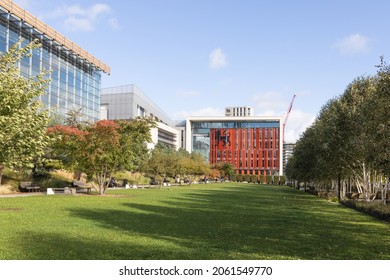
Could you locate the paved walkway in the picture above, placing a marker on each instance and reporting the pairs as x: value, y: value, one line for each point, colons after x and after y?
x: 22, y: 194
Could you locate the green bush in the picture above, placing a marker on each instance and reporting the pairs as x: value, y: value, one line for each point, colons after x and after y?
x: 282, y: 180
x: 51, y: 182
x: 374, y: 208
x: 233, y: 177
x: 132, y: 178
x: 247, y: 178
x: 261, y: 179
x: 239, y: 178
x: 268, y: 179
x: 253, y: 179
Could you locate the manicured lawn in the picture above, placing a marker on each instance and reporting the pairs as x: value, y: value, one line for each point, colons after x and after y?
x: 213, y: 221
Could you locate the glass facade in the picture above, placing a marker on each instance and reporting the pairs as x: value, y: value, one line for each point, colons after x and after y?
x: 75, y: 82
x: 253, y: 146
x: 200, y: 132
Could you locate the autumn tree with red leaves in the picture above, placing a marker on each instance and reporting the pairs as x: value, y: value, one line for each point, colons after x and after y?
x: 102, y: 148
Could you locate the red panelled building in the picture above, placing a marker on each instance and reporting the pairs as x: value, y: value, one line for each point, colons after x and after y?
x: 252, y: 144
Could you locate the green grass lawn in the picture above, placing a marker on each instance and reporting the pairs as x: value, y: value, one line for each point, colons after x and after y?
x: 213, y: 221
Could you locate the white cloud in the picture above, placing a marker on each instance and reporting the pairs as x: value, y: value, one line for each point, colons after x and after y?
x: 78, y: 24
x: 353, y: 44
x: 217, y: 59
x: 99, y: 9
x: 77, y: 18
x: 298, y: 121
x: 275, y: 103
x: 269, y: 103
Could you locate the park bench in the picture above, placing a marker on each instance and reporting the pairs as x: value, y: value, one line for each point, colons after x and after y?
x: 80, y: 187
x: 28, y: 187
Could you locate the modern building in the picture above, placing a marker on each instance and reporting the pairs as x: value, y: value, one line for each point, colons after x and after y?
x: 254, y: 145
x: 288, y: 150
x: 75, y: 73
x: 243, y: 111
x: 129, y: 102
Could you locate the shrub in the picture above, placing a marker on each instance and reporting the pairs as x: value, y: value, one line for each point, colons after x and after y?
x: 233, y: 177
x: 253, y: 179
x: 132, y: 178
x: 261, y: 179
x: 375, y: 208
x: 268, y: 179
x: 239, y: 178
x: 282, y: 180
x: 247, y: 178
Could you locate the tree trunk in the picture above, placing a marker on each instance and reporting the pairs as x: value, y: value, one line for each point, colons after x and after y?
x: 1, y: 172
x: 349, y: 185
x: 339, y: 188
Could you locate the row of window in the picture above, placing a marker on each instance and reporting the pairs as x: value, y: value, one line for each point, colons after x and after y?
x: 252, y: 164
x: 74, y: 82
x: 257, y: 154
x: 235, y: 124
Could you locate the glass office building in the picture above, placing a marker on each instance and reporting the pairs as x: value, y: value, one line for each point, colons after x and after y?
x: 75, y: 74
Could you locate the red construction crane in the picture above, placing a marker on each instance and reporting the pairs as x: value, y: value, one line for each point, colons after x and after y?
x: 286, y: 117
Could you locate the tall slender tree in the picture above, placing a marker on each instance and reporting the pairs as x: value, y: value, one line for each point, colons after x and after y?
x: 23, y: 120
x: 349, y: 141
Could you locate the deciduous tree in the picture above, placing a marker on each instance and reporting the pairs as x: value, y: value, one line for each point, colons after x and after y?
x: 23, y: 120
x: 102, y: 148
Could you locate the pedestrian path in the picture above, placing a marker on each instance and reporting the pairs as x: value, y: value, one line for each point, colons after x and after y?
x: 21, y: 194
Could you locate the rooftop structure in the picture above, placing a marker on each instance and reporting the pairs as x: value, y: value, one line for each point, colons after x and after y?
x: 242, y: 111
x: 129, y: 102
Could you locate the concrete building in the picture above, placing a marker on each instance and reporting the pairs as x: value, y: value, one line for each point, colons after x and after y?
x: 129, y: 102
x: 288, y: 150
x: 242, y: 111
x: 75, y: 73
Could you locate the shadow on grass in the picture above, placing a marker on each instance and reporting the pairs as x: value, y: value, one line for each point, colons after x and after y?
x: 245, y: 222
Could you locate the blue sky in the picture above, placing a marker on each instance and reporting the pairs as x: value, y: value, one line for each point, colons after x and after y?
x: 196, y: 57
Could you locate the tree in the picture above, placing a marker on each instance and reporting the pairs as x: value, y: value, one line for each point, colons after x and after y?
x: 73, y: 117
x: 160, y: 164
x: 102, y: 148
x: 349, y: 141
x: 193, y: 166
x: 134, y: 136
x: 164, y: 162
x: 23, y: 121
x: 224, y: 169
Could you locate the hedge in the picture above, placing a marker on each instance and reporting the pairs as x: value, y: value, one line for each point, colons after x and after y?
x: 375, y: 209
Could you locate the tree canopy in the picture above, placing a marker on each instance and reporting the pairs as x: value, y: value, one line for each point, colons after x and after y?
x: 23, y: 120
x: 102, y: 148
x: 164, y: 162
x: 349, y: 139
